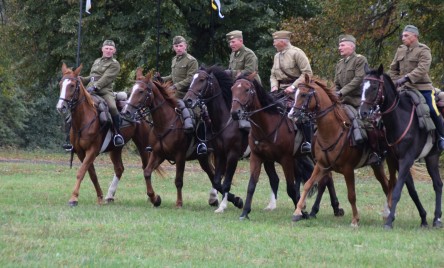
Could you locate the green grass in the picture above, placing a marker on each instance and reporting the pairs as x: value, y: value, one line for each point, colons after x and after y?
x: 38, y: 229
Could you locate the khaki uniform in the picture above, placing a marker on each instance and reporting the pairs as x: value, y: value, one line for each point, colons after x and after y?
x: 414, y: 62
x: 349, y: 74
x: 292, y: 61
x: 182, y: 70
x: 102, y: 75
x: 244, y: 61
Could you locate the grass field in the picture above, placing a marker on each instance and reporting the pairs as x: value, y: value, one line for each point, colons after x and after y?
x: 38, y: 229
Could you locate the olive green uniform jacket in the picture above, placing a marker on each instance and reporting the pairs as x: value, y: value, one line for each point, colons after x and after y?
x: 349, y: 74
x: 102, y: 75
x: 413, y: 62
x: 182, y: 70
x: 243, y: 61
x: 292, y: 61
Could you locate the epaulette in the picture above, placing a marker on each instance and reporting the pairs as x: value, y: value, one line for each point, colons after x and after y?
x: 340, y: 60
x: 114, y: 60
x: 359, y: 55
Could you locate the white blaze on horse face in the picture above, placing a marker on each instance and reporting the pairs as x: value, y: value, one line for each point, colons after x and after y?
x: 62, y: 97
x: 135, y: 88
x: 364, y: 89
x: 194, y: 78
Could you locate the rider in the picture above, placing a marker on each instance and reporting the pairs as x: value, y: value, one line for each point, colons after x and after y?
x: 100, y: 82
x: 183, y: 67
x: 349, y: 73
x: 289, y: 68
x: 242, y: 60
x: 410, y: 67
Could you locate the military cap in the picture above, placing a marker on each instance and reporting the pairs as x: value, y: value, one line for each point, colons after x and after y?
x: 411, y: 29
x: 108, y: 43
x: 347, y: 37
x: 234, y: 34
x: 178, y: 39
x: 281, y: 35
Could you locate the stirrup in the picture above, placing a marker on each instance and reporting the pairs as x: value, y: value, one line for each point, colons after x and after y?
x: 118, y: 140
x: 67, y: 147
x: 202, y: 149
x: 440, y: 144
x: 148, y: 149
x: 306, y: 147
x: 374, y: 158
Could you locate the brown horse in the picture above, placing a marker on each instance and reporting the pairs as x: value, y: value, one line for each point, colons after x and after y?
x: 170, y: 141
x: 89, y: 138
x: 272, y: 139
x: 331, y: 148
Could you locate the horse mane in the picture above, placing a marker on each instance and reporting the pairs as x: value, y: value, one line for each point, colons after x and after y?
x: 88, y: 97
x: 167, y: 94
x: 330, y: 91
x: 225, y: 82
x: 264, y: 97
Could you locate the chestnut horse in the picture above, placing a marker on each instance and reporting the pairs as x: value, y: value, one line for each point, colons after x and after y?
x: 272, y: 139
x: 331, y: 146
x: 170, y: 141
x: 407, y: 141
x: 88, y: 136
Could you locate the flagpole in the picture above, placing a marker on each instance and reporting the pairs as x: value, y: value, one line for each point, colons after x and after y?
x: 212, y: 32
x: 158, y: 35
x: 79, y: 34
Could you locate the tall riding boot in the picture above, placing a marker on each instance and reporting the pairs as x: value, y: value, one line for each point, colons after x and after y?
x: 439, y: 123
x: 67, y: 145
x: 307, y: 133
x: 187, y: 121
x: 118, y: 139
x: 373, y: 140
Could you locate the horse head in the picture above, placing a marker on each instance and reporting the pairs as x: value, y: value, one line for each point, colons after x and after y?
x: 243, y: 92
x: 304, y: 100
x: 141, y: 95
x: 199, y: 88
x: 70, y: 89
x: 372, y: 92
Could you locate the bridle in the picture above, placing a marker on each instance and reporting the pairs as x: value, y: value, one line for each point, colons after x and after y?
x: 374, y: 111
x: 74, y: 101
x: 142, y: 108
x: 209, y: 88
x: 304, y: 112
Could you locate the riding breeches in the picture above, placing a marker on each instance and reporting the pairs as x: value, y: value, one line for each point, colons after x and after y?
x: 111, y: 101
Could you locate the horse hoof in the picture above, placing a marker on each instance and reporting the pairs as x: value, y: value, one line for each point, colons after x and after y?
x: 73, y: 203
x: 213, y: 203
x: 312, y: 215
x: 109, y: 200
x: 158, y: 201
x: 437, y: 224
x: 388, y: 227
x: 244, y: 216
x: 296, y: 218
x: 339, y: 212
x: 239, y: 203
x: 219, y: 210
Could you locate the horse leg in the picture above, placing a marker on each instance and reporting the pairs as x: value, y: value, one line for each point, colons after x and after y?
x: 386, y: 185
x: 317, y: 174
x: 273, y: 178
x: 292, y: 186
x: 414, y: 195
x: 327, y: 182
x: 231, y: 165
x: 93, y: 175
x: 433, y: 169
x: 86, y: 162
x: 214, y: 176
x: 255, y: 170
x: 116, y: 158
x: 349, y: 175
x: 178, y: 181
x: 392, y: 165
x: 153, y: 163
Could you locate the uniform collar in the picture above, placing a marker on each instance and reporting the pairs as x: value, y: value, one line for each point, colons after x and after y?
x: 237, y: 53
x: 349, y: 57
x: 286, y: 49
x: 413, y: 45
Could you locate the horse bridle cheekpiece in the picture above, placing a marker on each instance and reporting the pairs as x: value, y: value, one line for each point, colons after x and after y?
x: 201, y: 100
x: 141, y: 108
x: 75, y: 96
x: 379, y: 98
x: 304, y: 113
x: 243, y: 114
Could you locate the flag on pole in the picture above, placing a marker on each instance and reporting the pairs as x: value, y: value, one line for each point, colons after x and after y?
x: 88, y: 6
x: 215, y: 4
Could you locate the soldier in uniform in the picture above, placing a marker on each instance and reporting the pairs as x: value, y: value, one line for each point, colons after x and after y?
x: 242, y: 61
x: 410, y: 68
x: 289, y: 68
x: 349, y: 73
x: 100, y: 82
x: 183, y: 67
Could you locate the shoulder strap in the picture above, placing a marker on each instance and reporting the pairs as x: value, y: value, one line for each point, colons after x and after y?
x: 287, y: 74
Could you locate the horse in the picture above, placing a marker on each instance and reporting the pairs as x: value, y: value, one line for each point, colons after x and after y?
x: 170, y: 141
x: 331, y: 145
x: 271, y: 139
x: 89, y: 138
x: 381, y: 99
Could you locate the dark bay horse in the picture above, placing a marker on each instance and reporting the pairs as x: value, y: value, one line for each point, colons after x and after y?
x: 407, y: 141
x: 169, y: 141
x: 88, y: 136
x: 331, y: 146
x: 271, y: 139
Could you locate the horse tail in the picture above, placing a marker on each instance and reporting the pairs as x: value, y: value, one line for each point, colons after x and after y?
x: 304, y: 169
x: 160, y: 171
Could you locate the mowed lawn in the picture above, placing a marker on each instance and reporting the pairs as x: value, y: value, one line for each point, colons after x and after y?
x: 39, y: 229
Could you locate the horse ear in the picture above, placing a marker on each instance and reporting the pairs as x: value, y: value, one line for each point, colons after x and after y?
x: 307, y: 78
x: 77, y: 71
x: 64, y: 67
x: 149, y: 75
x: 366, y: 69
x: 381, y: 69
x: 139, y: 72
